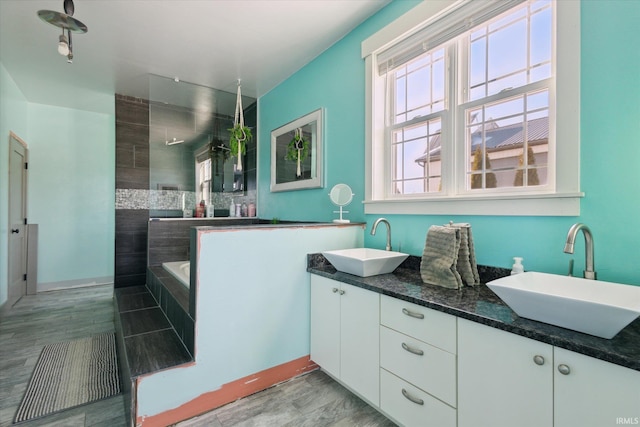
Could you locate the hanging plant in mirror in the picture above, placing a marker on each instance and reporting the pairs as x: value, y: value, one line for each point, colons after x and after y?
x: 238, y: 139
x: 298, y: 150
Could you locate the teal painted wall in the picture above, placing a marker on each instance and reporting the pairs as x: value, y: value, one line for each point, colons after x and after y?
x: 13, y: 117
x: 70, y: 188
x: 334, y: 81
x: 610, y: 151
x: 71, y: 192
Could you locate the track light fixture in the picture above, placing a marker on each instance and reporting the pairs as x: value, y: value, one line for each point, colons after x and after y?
x: 66, y: 22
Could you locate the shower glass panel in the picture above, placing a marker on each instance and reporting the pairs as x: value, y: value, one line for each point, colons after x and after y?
x: 189, y: 157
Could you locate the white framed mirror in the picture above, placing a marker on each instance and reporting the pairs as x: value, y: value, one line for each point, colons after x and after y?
x: 296, y: 154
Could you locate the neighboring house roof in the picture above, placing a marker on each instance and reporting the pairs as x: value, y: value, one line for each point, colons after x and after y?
x: 496, y: 137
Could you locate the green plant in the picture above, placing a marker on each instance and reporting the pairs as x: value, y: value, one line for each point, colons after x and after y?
x: 532, y: 173
x: 299, y: 144
x: 239, y: 136
x: 476, y: 178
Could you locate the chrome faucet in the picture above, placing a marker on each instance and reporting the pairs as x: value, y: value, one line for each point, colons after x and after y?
x: 375, y: 226
x: 589, y: 272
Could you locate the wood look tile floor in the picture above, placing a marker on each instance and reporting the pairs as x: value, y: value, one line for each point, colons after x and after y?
x: 46, y: 318
x: 311, y: 400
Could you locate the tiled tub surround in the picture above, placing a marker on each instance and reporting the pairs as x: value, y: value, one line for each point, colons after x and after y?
x: 173, y: 299
x: 169, y: 239
x: 481, y: 305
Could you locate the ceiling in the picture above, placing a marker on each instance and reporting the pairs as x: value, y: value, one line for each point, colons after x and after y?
x: 211, y: 43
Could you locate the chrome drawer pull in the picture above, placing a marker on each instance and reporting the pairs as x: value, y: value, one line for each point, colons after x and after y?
x: 412, y: 314
x: 412, y: 350
x: 411, y: 398
x: 334, y: 290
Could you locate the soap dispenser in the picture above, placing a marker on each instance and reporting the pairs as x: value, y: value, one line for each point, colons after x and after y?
x: 517, y: 267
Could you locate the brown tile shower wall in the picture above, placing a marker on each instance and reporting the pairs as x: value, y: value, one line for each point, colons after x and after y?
x: 169, y: 240
x: 132, y: 172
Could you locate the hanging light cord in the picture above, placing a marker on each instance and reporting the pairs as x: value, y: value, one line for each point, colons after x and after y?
x: 239, y: 116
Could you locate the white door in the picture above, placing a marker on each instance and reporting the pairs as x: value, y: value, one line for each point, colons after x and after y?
x: 17, y: 218
x: 360, y: 341
x: 591, y: 392
x: 504, y: 380
x: 325, y: 324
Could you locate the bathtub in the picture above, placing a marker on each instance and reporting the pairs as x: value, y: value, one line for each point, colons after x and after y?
x: 181, y: 270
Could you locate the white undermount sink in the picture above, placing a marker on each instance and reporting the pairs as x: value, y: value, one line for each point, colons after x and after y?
x: 591, y: 306
x: 365, y: 262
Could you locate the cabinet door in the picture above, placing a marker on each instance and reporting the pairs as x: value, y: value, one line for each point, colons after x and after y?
x: 359, y: 341
x: 499, y: 383
x: 325, y: 324
x: 594, y: 392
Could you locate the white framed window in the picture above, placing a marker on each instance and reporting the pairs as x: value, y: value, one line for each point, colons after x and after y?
x: 473, y: 108
x: 203, y: 176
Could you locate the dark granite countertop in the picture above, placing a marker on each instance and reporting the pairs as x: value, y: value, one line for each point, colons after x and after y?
x: 481, y: 305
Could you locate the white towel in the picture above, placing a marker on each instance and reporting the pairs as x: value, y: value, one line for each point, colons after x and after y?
x: 440, y: 256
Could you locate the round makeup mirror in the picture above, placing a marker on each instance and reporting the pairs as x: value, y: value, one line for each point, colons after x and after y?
x: 341, y: 195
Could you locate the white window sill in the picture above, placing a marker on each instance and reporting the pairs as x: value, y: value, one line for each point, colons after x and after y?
x: 558, y: 204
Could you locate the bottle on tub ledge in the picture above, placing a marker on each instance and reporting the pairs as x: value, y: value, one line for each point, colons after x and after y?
x: 243, y: 210
x: 251, y: 210
x: 200, y: 210
x: 232, y: 208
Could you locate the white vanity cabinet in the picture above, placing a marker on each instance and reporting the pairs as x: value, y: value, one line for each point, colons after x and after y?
x: 417, y: 364
x: 506, y: 380
x: 503, y: 379
x: 592, y: 392
x: 345, y: 322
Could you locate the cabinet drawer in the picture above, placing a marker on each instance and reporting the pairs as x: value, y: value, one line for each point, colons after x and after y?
x: 425, y: 324
x: 411, y: 406
x: 434, y: 370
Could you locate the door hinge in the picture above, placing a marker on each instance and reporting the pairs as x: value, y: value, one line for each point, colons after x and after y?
x: 25, y: 221
x: 26, y: 165
x: 24, y: 277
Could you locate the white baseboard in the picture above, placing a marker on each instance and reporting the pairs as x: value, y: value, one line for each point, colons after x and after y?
x: 78, y: 283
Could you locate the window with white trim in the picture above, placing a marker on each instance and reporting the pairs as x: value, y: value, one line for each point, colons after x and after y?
x: 465, y: 107
x: 203, y: 176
